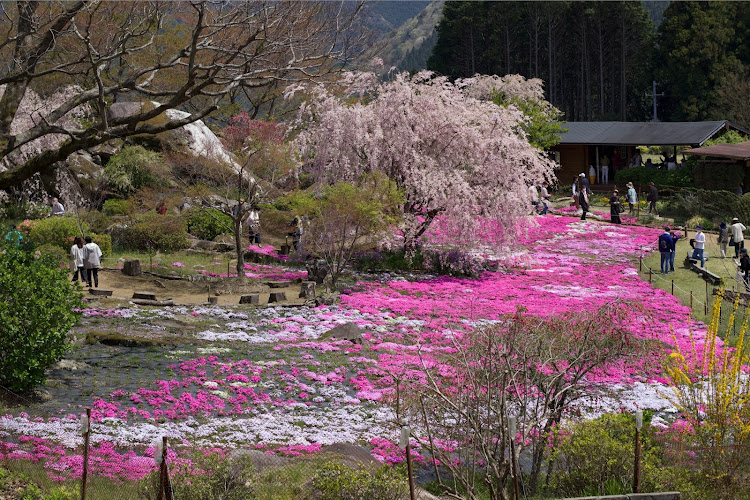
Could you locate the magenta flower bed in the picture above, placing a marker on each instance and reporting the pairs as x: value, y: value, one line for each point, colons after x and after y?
x: 335, y: 387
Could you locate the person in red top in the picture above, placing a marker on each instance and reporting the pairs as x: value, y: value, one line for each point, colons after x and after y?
x: 162, y: 208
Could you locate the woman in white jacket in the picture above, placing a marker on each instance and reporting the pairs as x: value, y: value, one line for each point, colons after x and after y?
x: 92, y: 256
x: 76, y: 259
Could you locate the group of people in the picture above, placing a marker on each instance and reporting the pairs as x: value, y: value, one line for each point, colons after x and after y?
x: 85, y: 260
x: 668, y: 245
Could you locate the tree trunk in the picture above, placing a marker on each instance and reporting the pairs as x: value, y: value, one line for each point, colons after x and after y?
x: 623, y: 83
x: 238, y: 245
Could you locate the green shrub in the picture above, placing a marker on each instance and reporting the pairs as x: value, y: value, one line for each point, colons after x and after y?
x: 596, y: 457
x: 36, y: 312
x: 59, y: 255
x: 151, y: 230
x: 641, y: 176
x: 117, y: 207
x: 209, y: 223
x: 104, y: 241
x: 216, y: 477
x: 95, y: 220
x: 712, y: 205
x: 336, y: 481
x: 696, y: 221
x: 57, y: 231
x: 18, y: 210
x: 299, y: 202
x: 63, y: 493
x: 132, y: 169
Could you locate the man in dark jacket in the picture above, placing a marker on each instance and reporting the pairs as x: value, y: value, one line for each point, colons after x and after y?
x: 666, y: 247
x: 653, y: 197
x: 745, y: 267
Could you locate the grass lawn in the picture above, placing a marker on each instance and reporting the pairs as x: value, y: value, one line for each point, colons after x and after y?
x: 686, y: 281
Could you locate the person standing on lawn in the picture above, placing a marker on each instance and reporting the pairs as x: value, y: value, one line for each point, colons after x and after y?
x: 92, y: 261
x: 723, y: 240
x: 665, y: 249
x: 76, y: 259
x: 675, y: 237
x: 653, y: 197
x: 700, y: 243
x: 583, y: 197
x: 738, y: 236
x: 615, y: 207
x: 745, y: 268
x: 631, y: 198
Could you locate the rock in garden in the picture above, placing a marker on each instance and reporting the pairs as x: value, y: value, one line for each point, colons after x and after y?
x: 144, y: 295
x: 307, y: 289
x: 347, y: 331
x: 276, y: 297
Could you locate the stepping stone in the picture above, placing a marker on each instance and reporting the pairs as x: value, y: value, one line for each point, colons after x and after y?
x: 101, y: 292
x: 132, y: 267
x: 307, y: 289
x: 276, y: 297
x: 247, y: 299
x: 279, y: 284
x: 144, y: 295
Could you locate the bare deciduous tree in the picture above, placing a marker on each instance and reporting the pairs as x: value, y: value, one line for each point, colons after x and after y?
x: 529, y: 367
x: 186, y: 55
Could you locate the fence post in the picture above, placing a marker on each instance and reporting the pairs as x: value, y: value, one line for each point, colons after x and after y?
x: 86, y: 430
x: 705, y: 305
x: 691, y: 300
x: 164, y: 482
x: 640, y: 262
x: 649, y: 275
x: 637, y: 465
x: 672, y: 287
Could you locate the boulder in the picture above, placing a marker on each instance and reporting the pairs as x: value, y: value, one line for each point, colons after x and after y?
x: 347, y: 331
x: 316, y: 271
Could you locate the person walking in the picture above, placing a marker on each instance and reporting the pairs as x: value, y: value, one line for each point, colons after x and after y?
x: 675, y: 237
x: 665, y: 249
x: 76, y: 259
x: 534, y: 199
x: 615, y: 207
x: 738, y: 236
x: 745, y: 268
x: 632, y: 200
x: 253, y: 225
x: 92, y: 256
x: 723, y: 240
x: 700, y: 243
x: 545, y: 198
x: 653, y: 197
x: 574, y: 189
x: 583, y: 198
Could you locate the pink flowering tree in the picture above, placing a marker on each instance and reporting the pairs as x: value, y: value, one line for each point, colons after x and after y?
x: 452, y: 155
x: 532, y: 368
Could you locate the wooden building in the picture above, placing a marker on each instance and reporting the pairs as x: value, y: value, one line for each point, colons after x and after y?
x: 723, y: 166
x: 586, y: 143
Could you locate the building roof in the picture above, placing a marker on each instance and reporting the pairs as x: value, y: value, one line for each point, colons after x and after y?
x: 644, y: 133
x: 739, y: 151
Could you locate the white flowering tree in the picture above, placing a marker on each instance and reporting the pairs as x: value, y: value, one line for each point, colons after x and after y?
x: 452, y: 154
x: 183, y: 55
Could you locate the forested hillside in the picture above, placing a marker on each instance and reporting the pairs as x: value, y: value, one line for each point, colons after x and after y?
x: 598, y: 59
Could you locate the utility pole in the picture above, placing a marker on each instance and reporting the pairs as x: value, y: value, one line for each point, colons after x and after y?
x: 654, y: 95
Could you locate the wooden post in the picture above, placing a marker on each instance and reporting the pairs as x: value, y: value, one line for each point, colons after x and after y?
x: 705, y: 305
x: 691, y: 300
x: 164, y: 474
x: 86, y: 434
x: 228, y: 261
x: 640, y: 262
x: 637, y: 465
x: 412, y: 493
x: 672, y: 287
x: 649, y: 275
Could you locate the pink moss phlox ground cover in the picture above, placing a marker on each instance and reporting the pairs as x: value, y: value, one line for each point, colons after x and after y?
x: 267, y: 250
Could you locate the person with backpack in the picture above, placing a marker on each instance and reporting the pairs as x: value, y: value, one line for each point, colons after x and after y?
x: 738, y: 236
x: 666, y: 246
x: 92, y: 256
